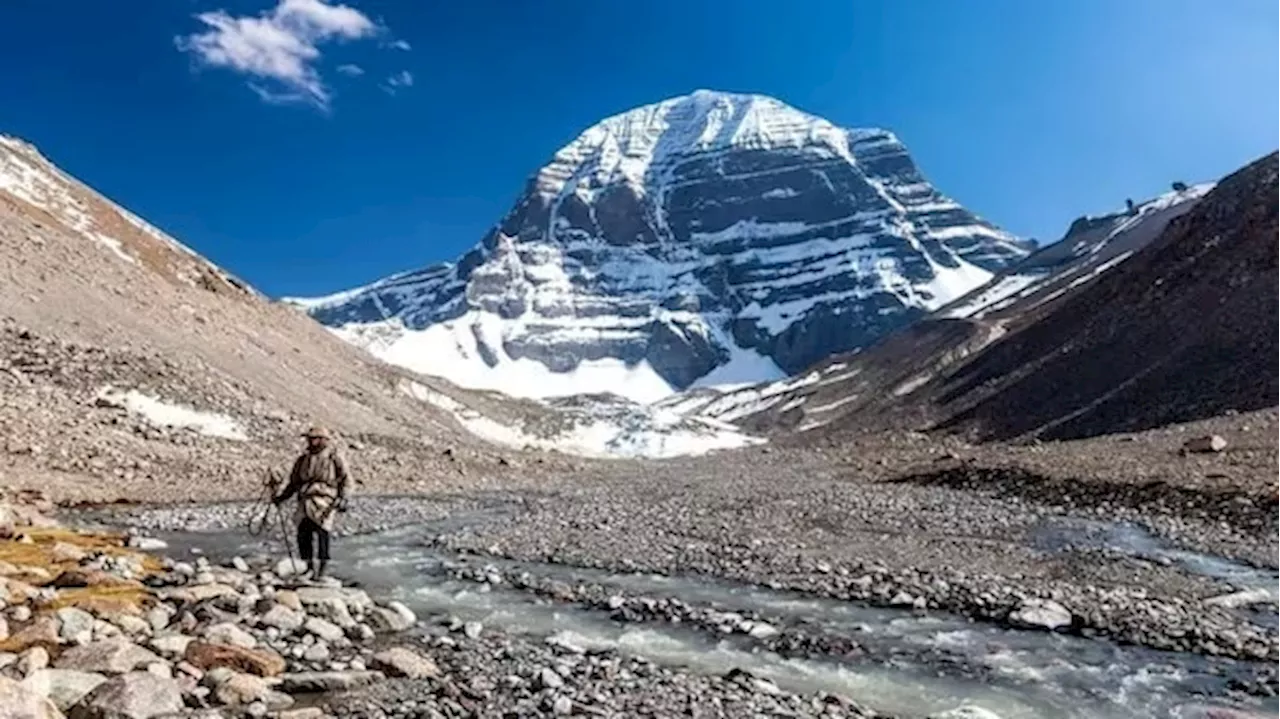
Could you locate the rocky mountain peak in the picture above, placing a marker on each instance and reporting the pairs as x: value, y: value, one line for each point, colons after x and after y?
x: 706, y: 239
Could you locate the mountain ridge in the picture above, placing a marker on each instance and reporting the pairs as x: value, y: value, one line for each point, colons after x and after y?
x: 713, y: 235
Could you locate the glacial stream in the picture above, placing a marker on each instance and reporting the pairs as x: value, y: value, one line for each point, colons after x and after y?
x: 914, y: 664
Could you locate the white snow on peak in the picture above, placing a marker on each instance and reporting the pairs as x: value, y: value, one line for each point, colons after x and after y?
x: 632, y: 143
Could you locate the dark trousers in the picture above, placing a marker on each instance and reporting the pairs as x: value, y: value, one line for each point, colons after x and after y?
x: 306, y: 529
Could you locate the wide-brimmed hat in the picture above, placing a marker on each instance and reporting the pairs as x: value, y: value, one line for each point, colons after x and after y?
x: 316, y: 431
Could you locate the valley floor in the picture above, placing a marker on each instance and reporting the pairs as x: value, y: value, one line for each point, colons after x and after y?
x: 1126, y: 539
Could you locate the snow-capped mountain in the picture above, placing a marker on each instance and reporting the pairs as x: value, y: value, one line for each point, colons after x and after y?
x: 886, y: 377
x: 708, y: 239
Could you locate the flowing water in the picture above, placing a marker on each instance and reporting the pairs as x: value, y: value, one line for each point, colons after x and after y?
x: 914, y: 664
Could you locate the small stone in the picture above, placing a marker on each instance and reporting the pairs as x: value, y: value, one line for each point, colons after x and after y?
x: 472, y: 630
x: 282, y: 618
x: 241, y: 689
x: 318, y: 652
x: 1207, y: 444
x: 562, y: 706
x: 171, y: 645
x: 239, y: 564
x: 208, y: 656
x: 1040, y: 614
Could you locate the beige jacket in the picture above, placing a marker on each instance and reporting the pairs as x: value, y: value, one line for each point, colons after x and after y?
x: 320, y: 479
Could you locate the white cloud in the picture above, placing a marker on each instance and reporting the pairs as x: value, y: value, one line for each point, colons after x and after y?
x: 400, y: 45
x: 351, y: 70
x: 278, y: 49
x: 401, y: 79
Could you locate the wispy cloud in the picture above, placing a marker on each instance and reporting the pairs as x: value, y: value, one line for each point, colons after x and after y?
x: 399, y: 45
x: 280, y: 48
x: 351, y: 70
x: 397, y: 82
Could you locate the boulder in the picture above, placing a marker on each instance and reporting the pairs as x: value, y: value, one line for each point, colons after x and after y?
x: 74, y: 625
x: 18, y: 701
x: 404, y: 662
x: 137, y: 695
x: 290, y: 568
x: 260, y: 662
x: 1040, y: 614
x: 228, y: 633
x: 334, y: 610
x: 289, y: 598
x: 112, y: 656
x: 1207, y: 444
x: 64, y: 687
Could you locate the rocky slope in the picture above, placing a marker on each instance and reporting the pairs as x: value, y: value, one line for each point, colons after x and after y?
x: 1186, y: 330
x: 132, y: 367
x: 886, y: 385
x: 707, y: 239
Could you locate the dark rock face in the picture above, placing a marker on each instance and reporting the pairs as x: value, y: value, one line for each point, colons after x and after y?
x: 684, y: 233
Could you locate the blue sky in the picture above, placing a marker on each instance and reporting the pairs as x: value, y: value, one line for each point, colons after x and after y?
x: 313, y: 179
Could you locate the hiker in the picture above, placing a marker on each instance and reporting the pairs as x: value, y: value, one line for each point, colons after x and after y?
x: 320, y: 480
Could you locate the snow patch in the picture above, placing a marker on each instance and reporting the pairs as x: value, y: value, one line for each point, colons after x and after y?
x: 168, y: 414
x: 602, y: 430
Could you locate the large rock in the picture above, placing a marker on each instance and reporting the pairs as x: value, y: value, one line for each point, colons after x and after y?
x: 311, y: 682
x: 282, y: 618
x: 42, y: 631
x: 1040, y: 614
x: 355, y: 599
x: 1243, y: 598
x: 383, y: 619
x: 228, y: 633
x: 65, y: 687
x: 334, y: 610
x: 241, y: 689
x: 112, y: 656
x: 404, y: 662
x: 74, y: 625
x: 137, y: 695
x: 18, y: 701
x: 171, y: 645
x: 324, y: 629
x: 261, y: 662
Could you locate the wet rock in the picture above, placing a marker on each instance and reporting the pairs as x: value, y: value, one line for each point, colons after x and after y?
x: 405, y: 662
x: 137, y: 695
x: 113, y: 656
x: 1040, y: 614
x: 387, y: 620
x: 64, y: 687
x: 260, y: 662
x: 18, y: 701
